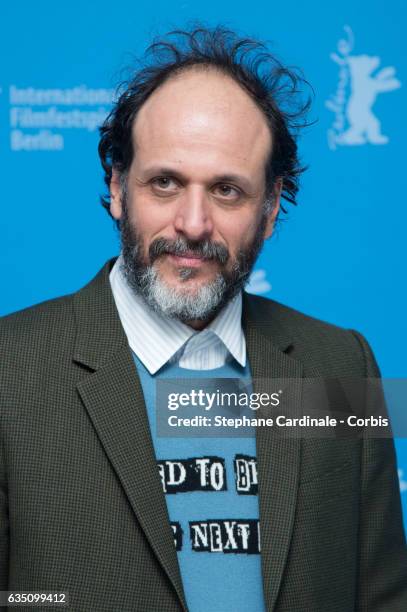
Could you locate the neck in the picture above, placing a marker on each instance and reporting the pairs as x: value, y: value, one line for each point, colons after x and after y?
x: 197, y: 324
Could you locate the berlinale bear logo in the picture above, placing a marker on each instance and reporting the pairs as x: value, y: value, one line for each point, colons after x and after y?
x: 358, y: 87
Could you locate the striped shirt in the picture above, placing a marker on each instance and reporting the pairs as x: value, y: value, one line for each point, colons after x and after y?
x: 157, y: 339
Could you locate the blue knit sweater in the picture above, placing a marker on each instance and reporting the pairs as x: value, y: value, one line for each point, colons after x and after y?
x: 211, y: 493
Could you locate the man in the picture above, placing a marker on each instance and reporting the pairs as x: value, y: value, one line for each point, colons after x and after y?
x: 197, y: 154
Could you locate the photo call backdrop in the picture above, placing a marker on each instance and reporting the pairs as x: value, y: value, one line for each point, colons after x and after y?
x: 340, y: 255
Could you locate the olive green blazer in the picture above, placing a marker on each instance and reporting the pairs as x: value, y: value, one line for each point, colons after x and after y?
x: 82, y: 508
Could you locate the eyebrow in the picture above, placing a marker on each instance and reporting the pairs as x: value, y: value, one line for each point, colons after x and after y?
x: 218, y: 178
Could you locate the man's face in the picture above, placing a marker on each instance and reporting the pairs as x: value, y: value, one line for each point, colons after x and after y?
x: 192, y: 211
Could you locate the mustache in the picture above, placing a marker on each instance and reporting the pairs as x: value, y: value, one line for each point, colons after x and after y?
x: 180, y: 246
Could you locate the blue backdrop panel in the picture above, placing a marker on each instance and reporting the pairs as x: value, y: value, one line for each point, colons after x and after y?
x: 60, y: 62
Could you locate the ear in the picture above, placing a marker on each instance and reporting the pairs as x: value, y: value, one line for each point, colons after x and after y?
x: 115, y: 196
x: 278, y: 186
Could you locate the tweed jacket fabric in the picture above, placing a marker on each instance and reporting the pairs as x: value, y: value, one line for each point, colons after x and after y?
x: 81, y: 504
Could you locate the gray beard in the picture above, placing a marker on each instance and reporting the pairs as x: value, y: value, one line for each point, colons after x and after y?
x: 204, y: 303
x: 177, y: 304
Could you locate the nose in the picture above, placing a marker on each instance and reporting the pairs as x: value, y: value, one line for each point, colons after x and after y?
x: 193, y: 217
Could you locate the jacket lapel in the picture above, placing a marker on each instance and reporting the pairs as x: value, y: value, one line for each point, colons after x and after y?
x: 112, y: 394
x: 278, y: 457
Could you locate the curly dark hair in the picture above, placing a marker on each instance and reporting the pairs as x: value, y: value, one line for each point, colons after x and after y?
x: 276, y: 89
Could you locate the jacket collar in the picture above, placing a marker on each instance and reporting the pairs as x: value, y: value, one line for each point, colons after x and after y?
x: 99, y: 333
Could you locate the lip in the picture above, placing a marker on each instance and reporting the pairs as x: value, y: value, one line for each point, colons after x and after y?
x: 188, y: 261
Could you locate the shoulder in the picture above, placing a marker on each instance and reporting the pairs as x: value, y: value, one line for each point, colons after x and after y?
x: 314, y: 340
x: 265, y: 310
x: 53, y: 322
x: 43, y: 329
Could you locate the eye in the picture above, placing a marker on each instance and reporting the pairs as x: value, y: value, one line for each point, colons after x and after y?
x: 227, y: 191
x: 164, y: 184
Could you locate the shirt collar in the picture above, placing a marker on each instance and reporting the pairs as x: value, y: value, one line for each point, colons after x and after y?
x: 155, y: 338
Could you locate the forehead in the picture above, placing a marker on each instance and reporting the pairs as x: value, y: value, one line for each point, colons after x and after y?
x: 202, y: 116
